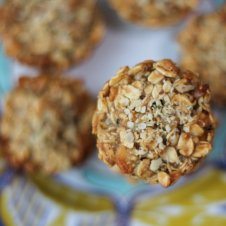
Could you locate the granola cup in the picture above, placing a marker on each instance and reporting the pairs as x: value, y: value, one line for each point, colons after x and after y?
x: 153, y: 122
x: 154, y: 13
x: 50, y: 34
x: 203, y: 44
x: 46, y: 124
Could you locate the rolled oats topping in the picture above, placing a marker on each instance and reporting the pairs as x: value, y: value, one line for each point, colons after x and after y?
x: 50, y: 33
x: 157, y: 125
x: 45, y: 122
x: 153, y: 12
x: 204, y: 50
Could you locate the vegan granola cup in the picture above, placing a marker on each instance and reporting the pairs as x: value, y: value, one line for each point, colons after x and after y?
x: 203, y: 44
x: 153, y: 122
x: 50, y: 34
x: 46, y: 124
x: 154, y: 13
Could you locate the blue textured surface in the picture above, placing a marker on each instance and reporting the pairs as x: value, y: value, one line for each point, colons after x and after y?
x: 5, y: 73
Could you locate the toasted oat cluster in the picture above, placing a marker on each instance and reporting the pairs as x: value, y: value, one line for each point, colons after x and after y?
x: 154, y: 12
x: 153, y: 122
x: 46, y: 124
x: 56, y: 33
x: 203, y: 44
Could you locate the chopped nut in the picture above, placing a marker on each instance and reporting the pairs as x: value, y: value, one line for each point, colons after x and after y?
x: 132, y: 93
x: 166, y: 68
x: 113, y: 93
x: 185, y: 144
x: 155, y: 164
x: 135, y: 70
x: 155, y: 77
x: 181, y: 100
x: 184, y: 88
x: 196, y: 130
x: 202, y: 149
x: 118, y: 77
x: 148, y: 89
x: 127, y: 138
x: 164, y: 179
x: 167, y: 86
x: 143, y: 166
x: 156, y: 90
x: 171, y: 155
x: 123, y: 160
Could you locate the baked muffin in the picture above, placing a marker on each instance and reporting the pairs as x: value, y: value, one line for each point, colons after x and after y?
x: 153, y: 12
x: 203, y: 44
x: 153, y: 122
x: 46, y: 124
x: 50, y: 34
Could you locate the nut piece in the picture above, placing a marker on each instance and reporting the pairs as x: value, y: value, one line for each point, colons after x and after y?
x: 155, y: 164
x: 155, y: 77
x: 185, y: 145
x: 164, y: 179
x: 202, y: 149
x: 196, y: 130
x: 157, y: 122
x: 171, y: 155
x: 127, y: 138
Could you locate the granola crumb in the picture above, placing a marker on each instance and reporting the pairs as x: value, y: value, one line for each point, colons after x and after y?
x: 156, y: 134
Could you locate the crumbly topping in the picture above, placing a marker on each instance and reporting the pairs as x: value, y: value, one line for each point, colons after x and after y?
x: 45, y: 123
x: 154, y: 13
x: 206, y: 53
x: 154, y: 118
x: 56, y: 30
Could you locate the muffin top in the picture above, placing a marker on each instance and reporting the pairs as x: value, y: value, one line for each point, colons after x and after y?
x: 52, y: 29
x: 154, y: 12
x: 153, y: 121
x: 204, y: 50
x: 44, y: 121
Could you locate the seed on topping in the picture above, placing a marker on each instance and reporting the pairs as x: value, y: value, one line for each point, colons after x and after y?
x: 142, y: 126
x: 130, y: 124
x: 127, y: 111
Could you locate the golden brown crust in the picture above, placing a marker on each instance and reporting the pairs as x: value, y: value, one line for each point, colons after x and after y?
x: 66, y: 34
x: 45, y: 123
x: 153, y: 13
x: 153, y: 122
x: 204, y: 51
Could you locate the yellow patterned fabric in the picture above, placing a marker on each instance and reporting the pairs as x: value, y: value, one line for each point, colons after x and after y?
x: 24, y: 204
x: 201, y: 202
x: 38, y: 201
